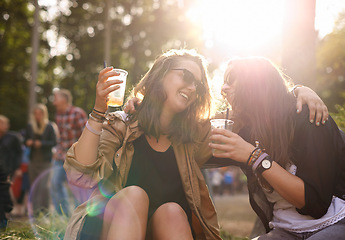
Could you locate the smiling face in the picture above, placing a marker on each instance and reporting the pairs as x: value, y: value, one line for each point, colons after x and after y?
x: 180, y: 87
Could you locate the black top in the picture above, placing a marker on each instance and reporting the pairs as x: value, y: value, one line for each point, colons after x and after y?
x: 10, y: 153
x: 319, y: 154
x: 48, y: 140
x: 157, y: 173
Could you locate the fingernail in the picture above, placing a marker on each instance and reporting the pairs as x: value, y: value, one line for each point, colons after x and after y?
x: 323, y: 122
x: 318, y: 124
x: 311, y: 121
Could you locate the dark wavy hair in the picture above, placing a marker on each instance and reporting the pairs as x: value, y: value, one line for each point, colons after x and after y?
x: 150, y: 89
x: 262, y: 102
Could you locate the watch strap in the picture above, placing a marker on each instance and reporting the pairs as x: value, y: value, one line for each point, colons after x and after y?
x: 260, y: 169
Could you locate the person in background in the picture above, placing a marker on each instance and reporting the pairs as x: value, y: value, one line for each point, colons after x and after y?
x: 10, y: 159
x: 216, y: 181
x: 295, y: 169
x: 70, y: 121
x: 40, y: 138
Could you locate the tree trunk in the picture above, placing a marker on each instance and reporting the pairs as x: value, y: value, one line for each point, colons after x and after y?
x: 35, y: 46
x: 107, y: 33
x: 299, y: 40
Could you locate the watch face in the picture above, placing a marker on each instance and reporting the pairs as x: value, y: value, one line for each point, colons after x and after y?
x: 266, y: 164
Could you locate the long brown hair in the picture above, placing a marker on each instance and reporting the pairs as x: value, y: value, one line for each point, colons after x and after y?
x: 263, y: 102
x: 150, y: 89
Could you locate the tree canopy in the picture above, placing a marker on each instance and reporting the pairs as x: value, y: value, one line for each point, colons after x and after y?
x: 331, y: 65
x: 72, y: 42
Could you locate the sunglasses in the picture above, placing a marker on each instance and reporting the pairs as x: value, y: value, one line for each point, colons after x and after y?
x: 189, y: 78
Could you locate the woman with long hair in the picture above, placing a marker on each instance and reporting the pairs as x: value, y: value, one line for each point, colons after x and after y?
x: 145, y: 167
x: 295, y: 169
x: 40, y: 137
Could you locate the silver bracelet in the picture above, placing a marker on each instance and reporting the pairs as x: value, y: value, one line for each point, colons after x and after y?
x: 294, y: 88
x: 93, y: 130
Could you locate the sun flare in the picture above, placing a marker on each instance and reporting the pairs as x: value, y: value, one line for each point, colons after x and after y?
x: 239, y: 24
x: 238, y: 28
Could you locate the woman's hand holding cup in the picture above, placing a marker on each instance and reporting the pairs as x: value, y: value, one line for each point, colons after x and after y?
x: 104, y: 87
x: 226, y: 144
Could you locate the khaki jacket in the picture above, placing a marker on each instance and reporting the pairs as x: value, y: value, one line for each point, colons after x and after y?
x: 109, y: 172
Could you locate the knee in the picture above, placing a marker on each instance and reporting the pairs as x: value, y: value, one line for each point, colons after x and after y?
x: 128, y: 199
x: 133, y: 194
x: 170, y: 222
x: 172, y: 212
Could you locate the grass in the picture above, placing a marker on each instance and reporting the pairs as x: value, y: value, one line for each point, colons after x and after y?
x: 44, y: 226
x: 235, y: 216
x: 26, y: 232
x: 52, y: 228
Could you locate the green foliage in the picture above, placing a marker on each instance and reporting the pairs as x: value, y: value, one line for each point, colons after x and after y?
x: 140, y: 30
x: 339, y: 116
x: 46, y: 226
x: 52, y: 227
x: 228, y: 236
x: 14, y: 60
x: 331, y: 65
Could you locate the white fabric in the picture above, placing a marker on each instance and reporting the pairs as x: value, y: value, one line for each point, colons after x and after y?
x: 286, y: 217
x: 217, y: 178
x: 122, y: 114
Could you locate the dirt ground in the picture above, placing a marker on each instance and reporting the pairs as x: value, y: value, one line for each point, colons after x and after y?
x: 235, y: 214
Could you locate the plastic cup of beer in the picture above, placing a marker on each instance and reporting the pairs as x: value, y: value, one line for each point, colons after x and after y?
x: 116, y: 98
x: 221, y: 124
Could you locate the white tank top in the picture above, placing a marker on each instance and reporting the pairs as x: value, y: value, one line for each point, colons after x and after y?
x: 286, y: 217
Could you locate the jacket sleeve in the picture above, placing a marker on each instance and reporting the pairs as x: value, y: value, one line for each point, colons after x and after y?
x: 317, y: 152
x: 203, y: 151
x: 88, y: 176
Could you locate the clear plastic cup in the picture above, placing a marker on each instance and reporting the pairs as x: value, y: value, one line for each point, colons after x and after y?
x: 221, y: 124
x: 116, y: 98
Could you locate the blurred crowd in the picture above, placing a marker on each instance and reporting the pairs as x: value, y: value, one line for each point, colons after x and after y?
x: 32, y: 179
x: 227, y: 181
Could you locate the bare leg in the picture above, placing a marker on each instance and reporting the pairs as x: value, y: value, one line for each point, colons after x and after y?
x: 125, y: 216
x: 170, y: 222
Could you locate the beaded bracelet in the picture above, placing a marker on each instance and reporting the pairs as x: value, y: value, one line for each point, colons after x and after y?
x: 93, y: 130
x: 100, y: 115
x: 253, y: 156
x: 96, y: 118
x: 98, y: 111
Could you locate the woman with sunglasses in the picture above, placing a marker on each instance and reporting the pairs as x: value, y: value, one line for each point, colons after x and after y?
x: 145, y: 167
x: 295, y: 169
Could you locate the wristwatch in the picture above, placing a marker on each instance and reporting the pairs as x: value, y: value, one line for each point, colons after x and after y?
x: 265, y: 164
